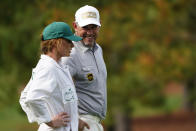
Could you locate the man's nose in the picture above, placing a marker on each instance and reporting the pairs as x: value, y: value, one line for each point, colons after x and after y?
x: 89, y: 31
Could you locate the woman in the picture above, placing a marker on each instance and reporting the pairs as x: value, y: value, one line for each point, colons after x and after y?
x: 50, y: 98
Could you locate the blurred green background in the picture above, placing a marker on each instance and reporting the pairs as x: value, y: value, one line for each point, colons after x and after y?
x: 149, y: 47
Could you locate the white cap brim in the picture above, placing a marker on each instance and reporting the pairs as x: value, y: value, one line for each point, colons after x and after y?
x: 88, y: 22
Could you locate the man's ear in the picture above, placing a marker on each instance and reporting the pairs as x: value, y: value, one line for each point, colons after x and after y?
x: 74, y: 25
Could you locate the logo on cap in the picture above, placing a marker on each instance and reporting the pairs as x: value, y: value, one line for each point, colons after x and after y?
x: 89, y: 15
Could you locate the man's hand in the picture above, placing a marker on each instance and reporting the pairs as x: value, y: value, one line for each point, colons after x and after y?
x: 59, y: 120
x: 83, y: 124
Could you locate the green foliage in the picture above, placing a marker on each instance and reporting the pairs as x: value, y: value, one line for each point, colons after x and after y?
x: 11, y: 120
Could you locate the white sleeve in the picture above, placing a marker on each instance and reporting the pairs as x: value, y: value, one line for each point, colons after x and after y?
x: 38, y: 95
x: 22, y: 102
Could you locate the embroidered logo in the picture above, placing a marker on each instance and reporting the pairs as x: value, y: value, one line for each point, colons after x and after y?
x: 89, y: 15
x: 90, y: 76
x: 69, y: 95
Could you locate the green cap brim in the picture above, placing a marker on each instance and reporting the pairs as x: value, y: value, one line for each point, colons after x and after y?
x: 73, y: 38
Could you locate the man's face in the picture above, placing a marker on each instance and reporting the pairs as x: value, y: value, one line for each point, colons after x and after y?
x: 89, y: 33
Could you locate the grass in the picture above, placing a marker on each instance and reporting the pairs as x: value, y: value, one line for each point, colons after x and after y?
x: 172, y: 103
x: 13, y: 120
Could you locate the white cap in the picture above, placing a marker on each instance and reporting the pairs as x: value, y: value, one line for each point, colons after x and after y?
x: 87, y: 15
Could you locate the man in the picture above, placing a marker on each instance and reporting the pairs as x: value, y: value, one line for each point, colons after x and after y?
x: 88, y: 70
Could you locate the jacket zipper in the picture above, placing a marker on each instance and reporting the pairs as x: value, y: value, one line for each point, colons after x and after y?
x: 95, y: 60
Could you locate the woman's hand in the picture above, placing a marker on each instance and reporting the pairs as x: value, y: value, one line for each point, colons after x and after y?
x: 59, y: 120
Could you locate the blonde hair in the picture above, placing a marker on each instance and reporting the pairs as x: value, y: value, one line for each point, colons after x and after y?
x: 49, y: 45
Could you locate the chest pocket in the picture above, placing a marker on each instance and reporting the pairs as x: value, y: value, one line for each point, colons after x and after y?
x: 88, y: 74
x: 69, y: 94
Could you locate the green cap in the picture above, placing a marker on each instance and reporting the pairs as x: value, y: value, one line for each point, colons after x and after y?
x: 59, y: 30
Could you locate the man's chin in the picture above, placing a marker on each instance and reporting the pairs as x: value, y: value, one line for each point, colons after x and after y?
x: 88, y: 43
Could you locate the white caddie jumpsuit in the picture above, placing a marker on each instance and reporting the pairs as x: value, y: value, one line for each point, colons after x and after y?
x: 50, y: 92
